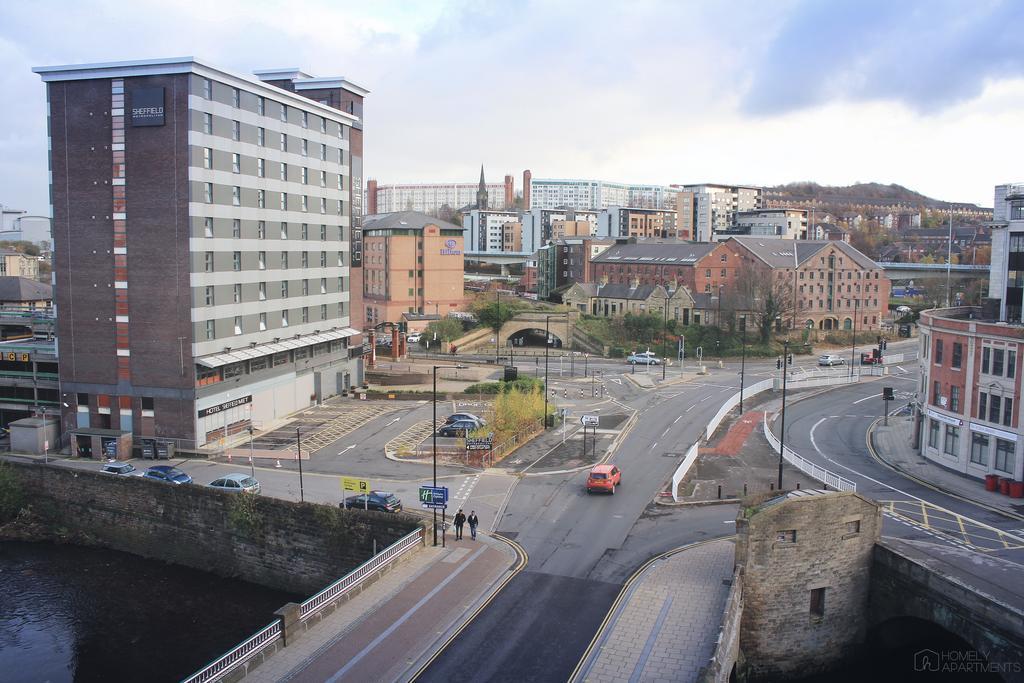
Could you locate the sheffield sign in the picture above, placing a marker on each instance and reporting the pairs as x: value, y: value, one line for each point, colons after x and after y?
x: 234, y: 403
x: 147, y: 107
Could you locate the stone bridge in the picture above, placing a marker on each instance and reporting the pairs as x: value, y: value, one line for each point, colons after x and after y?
x: 906, y: 591
x: 560, y: 326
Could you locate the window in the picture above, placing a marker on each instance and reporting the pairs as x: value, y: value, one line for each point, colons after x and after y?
x: 207, y: 157
x: 818, y: 600
x: 236, y: 163
x: 1005, y: 459
x: 305, y: 314
x: 305, y: 288
x: 207, y: 88
x: 263, y: 322
x: 261, y: 168
x: 938, y: 352
x: 707, y: 272
x: 305, y: 202
x: 236, y: 196
x: 236, y: 260
x: 1008, y: 411
x: 284, y: 231
x: 323, y: 205
x: 208, y: 227
x: 261, y: 199
x: 323, y: 152
x: 262, y: 258
x: 259, y: 364
x: 284, y: 113
x: 305, y: 119
x: 323, y: 125
x: 305, y: 259
x: 936, y: 392
x: 284, y: 171
x: 304, y: 231
x: 323, y: 285
x: 238, y: 294
x: 208, y: 192
x: 238, y: 324
x: 323, y: 311
x: 208, y: 262
x: 341, y: 258
x: 951, y: 446
x: 284, y: 289
x: 284, y: 260
x: 284, y: 142
x: 284, y: 318
x: 261, y: 229
x: 261, y: 105
x: 208, y: 295
x: 261, y: 137
x: 323, y: 178
x: 263, y: 291
x: 785, y: 536
x: 284, y: 201
x: 933, y: 433
x: 1011, y: 363
x: 997, y: 362
x: 208, y: 124
x: 982, y: 405
x: 995, y: 403
x: 323, y: 259
x: 210, y: 334
x: 979, y: 449
x: 236, y: 131
x: 954, y: 399
x: 853, y: 526
x: 958, y: 352
x: 323, y: 233
x: 305, y: 147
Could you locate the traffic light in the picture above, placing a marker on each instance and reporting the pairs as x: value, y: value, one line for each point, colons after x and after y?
x: 789, y: 359
x: 885, y: 343
x: 778, y: 363
x: 403, y: 327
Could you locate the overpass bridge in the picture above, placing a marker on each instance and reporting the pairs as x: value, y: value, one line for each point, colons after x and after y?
x: 932, y: 271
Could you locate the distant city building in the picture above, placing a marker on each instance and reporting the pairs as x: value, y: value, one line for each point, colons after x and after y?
x: 562, y: 262
x: 23, y: 292
x: 537, y: 223
x: 714, y: 207
x: 429, y: 198
x: 17, y: 225
x: 413, y: 263
x: 577, y: 228
x: 16, y: 264
x: 484, y: 231
x: 583, y: 194
x: 610, y: 300
x: 790, y: 224
x: 619, y: 221
x: 210, y: 292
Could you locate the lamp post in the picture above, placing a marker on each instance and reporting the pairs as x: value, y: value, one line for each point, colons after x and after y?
x: 664, y: 337
x: 298, y: 447
x: 436, y: 368
x: 782, y: 428
x: 743, y: 359
x: 497, y: 333
x: 853, y: 344
x: 252, y: 467
x: 547, y: 343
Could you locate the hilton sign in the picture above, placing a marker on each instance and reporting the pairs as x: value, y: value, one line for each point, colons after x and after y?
x: 449, y: 248
x: 147, y: 106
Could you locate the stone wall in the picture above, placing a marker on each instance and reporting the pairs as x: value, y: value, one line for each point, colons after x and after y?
x: 727, y: 650
x: 781, y: 635
x: 295, y: 547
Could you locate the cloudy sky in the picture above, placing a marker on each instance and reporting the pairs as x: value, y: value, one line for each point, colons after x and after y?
x: 926, y: 94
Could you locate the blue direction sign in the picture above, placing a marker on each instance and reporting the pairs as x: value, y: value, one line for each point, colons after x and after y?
x: 434, y: 497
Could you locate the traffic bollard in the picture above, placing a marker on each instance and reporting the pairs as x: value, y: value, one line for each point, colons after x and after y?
x: 719, y: 492
x: 744, y: 489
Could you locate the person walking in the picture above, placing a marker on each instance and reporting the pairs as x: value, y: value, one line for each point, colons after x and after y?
x: 473, y: 521
x: 460, y: 519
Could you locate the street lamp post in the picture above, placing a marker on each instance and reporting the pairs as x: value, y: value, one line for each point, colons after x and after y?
x: 298, y: 447
x: 853, y: 344
x: 782, y: 428
x: 664, y: 338
x: 547, y: 343
x: 436, y: 368
x: 252, y: 467
x: 497, y: 333
x: 743, y: 359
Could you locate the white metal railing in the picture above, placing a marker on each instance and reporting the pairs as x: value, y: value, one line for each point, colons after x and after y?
x: 238, y: 655
x: 734, y: 401
x: 806, y: 466
x: 268, y: 635
x: 684, y: 467
x: 359, y: 574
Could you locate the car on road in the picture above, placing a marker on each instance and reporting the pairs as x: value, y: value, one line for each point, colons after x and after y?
x: 168, y: 474
x: 414, y: 338
x: 456, y: 417
x: 121, y: 468
x: 604, y: 478
x: 830, y: 359
x: 236, y: 483
x: 870, y: 359
x: 457, y: 428
x: 381, y: 501
x: 645, y: 358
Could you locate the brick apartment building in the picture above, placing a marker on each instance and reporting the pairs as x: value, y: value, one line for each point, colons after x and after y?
x: 204, y: 224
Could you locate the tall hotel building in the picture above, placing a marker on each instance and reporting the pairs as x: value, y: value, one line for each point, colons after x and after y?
x: 204, y: 247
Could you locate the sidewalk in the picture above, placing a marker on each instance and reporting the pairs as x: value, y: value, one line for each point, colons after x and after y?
x: 666, y: 624
x: 892, y: 445
x: 389, y: 629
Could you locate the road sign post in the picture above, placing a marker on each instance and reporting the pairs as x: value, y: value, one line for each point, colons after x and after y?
x: 887, y: 395
x: 360, y: 485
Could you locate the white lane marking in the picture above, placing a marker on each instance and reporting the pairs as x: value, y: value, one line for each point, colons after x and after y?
x: 678, y: 418
x: 704, y: 399
x: 729, y: 521
x: 393, y: 422
x: 666, y: 431
x: 866, y: 398
x: 348, y: 448
x: 903, y: 369
x: 654, y: 445
x: 690, y: 408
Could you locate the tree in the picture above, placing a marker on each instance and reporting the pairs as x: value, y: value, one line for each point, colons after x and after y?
x: 766, y: 297
x: 494, y: 314
x: 642, y: 327
x: 446, y: 330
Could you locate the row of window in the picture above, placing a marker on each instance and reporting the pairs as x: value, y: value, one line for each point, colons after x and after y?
x: 261, y: 107
x: 337, y: 231
x: 994, y: 361
x: 209, y: 291
x: 981, y: 445
x: 209, y: 162
x: 285, y: 142
x: 262, y: 320
x: 849, y: 275
x: 237, y: 193
x: 261, y: 260
x: 206, y: 376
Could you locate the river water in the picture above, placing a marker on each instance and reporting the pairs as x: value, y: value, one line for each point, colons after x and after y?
x: 69, y: 613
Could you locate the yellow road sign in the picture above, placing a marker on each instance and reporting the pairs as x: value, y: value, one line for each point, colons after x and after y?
x: 353, y: 484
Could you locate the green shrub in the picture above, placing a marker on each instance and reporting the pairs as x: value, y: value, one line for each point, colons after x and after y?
x: 484, y: 388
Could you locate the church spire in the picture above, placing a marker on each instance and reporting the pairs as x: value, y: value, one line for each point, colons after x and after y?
x: 481, y: 193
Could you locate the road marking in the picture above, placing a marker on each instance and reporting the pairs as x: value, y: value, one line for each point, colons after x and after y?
x: 690, y: 408
x: 393, y: 422
x: 655, y: 445
x: 347, y: 449
x: 679, y: 418
x: 666, y: 431
x: 729, y: 521
x: 868, y: 398
x: 903, y: 369
x: 704, y: 399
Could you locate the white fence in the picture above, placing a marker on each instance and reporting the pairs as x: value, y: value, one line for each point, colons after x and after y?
x: 684, y: 467
x: 734, y: 401
x: 806, y: 466
x: 823, y: 381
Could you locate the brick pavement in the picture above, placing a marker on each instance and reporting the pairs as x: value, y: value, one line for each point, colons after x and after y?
x: 732, y: 442
x: 667, y: 626
x: 383, y: 632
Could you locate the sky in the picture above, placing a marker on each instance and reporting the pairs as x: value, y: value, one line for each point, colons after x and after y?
x: 928, y: 94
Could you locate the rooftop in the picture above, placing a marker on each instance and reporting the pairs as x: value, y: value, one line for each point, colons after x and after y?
x: 405, y: 220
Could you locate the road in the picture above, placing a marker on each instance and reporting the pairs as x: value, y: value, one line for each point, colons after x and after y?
x: 831, y: 429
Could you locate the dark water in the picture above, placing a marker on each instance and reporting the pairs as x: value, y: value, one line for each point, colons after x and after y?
x: 69, y: 613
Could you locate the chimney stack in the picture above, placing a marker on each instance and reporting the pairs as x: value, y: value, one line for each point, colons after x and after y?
x: 510, y: 194
x: 371, y: 197
x: 526, y: 189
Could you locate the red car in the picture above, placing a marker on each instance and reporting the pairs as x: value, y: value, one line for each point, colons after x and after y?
x: 870, y: 359
x: 604, y: 478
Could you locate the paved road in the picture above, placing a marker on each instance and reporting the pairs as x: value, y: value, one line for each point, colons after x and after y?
x: 582, y: 547
x: 831, y: 429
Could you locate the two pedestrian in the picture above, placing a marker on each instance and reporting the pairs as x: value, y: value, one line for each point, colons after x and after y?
x: 460, y: 519
x: 473, y: 521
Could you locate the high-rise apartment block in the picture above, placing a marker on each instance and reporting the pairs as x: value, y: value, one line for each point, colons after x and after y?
x: 431, y: 198
x: 596, y: 194
x: 204, y: 246
x: 714, y: 207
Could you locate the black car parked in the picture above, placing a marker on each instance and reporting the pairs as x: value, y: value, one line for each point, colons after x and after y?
x: 381, y: 501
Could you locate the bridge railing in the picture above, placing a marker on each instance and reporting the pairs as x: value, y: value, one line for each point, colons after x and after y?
x: 252, y: 646
x: 806, y: 466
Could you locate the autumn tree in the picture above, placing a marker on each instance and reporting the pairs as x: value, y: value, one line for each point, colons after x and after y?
x: 766, y: 296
